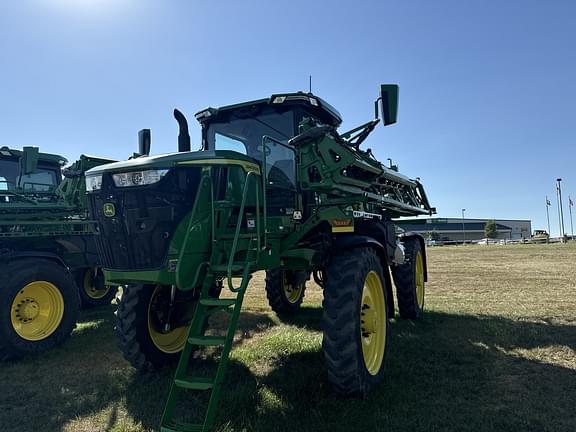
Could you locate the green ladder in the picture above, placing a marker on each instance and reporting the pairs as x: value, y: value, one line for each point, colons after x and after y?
x: 183, y: 381
x: 206, y: 306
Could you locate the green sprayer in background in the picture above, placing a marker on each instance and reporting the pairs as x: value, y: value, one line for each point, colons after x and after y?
x: 48, y: 259
x: 275, y: 187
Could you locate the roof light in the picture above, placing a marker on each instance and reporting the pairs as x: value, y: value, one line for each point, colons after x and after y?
x: 204, y: 114
x: 302, y: 97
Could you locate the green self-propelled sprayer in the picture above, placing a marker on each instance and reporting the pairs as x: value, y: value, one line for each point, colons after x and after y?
x: 48, y: 260
x: 275, y: 187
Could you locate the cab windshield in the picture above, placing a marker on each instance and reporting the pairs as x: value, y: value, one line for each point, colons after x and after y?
x: 244, y: 134
x: 43, y: 179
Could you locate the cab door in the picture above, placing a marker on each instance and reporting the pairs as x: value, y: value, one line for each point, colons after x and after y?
x: 281, y: 184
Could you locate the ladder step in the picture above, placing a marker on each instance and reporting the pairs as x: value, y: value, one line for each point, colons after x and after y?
x: 181, y: 427
x: 194, y: 383
x: 218, y: 302
x: 207, y: 340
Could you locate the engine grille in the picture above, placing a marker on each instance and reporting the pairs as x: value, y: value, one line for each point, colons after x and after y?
x: 137, y: 236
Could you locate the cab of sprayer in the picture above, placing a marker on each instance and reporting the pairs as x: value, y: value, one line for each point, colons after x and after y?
x: 148, y: 206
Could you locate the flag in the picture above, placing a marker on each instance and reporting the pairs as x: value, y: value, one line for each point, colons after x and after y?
x: 570, y: 202
x: 548, y: 202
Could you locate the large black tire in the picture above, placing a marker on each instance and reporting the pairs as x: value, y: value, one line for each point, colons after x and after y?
x: 355, y: 365
x: 284, y: 291
x: 409, y: 280
x: 136, y: 333
x: 39, y: 307
x: 93, y: 292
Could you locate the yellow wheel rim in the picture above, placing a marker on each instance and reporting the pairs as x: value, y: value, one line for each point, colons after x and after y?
x: 373, y: 322
x: 291, y: 292
x: 90, y: 289
x: 419, y: 280
x: 168, y: 342
x: 37, y: 310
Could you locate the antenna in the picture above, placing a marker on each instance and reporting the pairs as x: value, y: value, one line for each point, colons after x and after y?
x: 310, y: 84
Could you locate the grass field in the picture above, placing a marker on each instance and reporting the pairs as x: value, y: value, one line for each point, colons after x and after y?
x: 496, y: 350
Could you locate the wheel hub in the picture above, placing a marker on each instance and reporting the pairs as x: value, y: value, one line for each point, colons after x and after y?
x: 37, y: 310
x: 373, y: 323
x: 292, y: 291
x: 92, y: 287
x: 419, y: 280
x: 166, y: 337
x: 369, y: 320
x: 27, y: 310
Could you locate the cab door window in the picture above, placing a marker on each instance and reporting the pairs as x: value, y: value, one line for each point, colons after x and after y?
x: 281, y: 179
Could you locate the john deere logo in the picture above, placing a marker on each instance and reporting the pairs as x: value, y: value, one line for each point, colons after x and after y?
x: 109, y: 210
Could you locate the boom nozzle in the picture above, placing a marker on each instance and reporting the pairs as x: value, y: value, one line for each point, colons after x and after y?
x: 183, y: 135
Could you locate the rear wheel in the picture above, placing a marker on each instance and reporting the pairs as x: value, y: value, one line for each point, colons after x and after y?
x: 92, y: 288
x: 39, y: 307
x: 149, y: 334
x: 285, y: 290
x: 409, y: 279
x: 355, y: 321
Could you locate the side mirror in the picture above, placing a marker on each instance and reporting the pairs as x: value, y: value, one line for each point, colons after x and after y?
x: 29, y: 160
x: 389, y: 100
x: 144, y: 142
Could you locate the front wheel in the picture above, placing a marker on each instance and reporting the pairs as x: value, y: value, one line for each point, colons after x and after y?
x: 38, y: 307
x: 93, y: 290
x: 285, y: 290
x: 355, y: 321
x: 146, y: 339
x: 150, y: 333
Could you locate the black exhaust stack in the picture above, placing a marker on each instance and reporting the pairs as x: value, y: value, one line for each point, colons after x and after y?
x: 144, y: 142
x: 183, y: 135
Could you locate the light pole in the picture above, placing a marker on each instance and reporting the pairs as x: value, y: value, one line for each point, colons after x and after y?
x: 561, y: 214
x: 463, y: 230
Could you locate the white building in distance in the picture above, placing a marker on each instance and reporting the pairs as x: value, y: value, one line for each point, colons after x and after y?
x: 458, y: 229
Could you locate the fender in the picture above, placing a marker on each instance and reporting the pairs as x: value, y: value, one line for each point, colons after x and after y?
x: 353, y: 241
x: 11, y: 256
x: 343, y: 242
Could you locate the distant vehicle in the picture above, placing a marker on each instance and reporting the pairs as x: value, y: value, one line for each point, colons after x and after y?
x: 540, y: 236
x: 486, y: 241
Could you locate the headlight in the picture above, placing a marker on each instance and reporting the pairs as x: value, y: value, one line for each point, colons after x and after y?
x: 139, y: 178
x: 93, y: 183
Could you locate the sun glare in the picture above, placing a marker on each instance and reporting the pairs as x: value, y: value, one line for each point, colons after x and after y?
x: 88, y: 6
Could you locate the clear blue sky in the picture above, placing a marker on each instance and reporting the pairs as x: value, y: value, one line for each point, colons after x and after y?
x: 487, y: 88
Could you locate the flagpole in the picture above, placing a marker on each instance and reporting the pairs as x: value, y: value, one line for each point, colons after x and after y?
x: 548, y: 214
x: 570, y: 204
x: 559, y: 210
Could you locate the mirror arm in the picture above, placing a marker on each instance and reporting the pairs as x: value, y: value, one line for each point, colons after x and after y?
x: 376, y: 108
x: 348, y: 134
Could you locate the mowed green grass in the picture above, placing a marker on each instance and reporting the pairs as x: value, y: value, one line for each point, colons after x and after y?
x: 496, y: 350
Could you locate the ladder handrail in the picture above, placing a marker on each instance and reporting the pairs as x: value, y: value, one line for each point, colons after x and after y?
x: 249, y: 175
